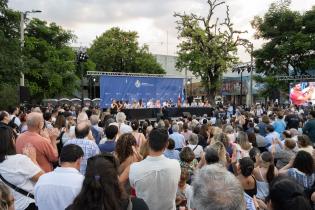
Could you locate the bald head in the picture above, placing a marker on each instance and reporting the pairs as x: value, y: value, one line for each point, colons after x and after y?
x: 82, y: 130
x: 34, y: 121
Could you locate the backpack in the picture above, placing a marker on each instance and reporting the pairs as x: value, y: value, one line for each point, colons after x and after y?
x: 13, y: 125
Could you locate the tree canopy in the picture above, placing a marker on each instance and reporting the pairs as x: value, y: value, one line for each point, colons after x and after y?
x: 49, y: 60
x: 289, y: 45
x: 10, y: 51
x: 208, y: 46
x: 290, y: 41
x: 118, y: 51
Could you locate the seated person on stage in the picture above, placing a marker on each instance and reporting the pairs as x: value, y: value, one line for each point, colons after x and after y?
x: 120, y: 105
x: 127, y: 105
x: 158, y: 104
x: 114, y: 106
x: 134, y: 105
x: 150, y: 103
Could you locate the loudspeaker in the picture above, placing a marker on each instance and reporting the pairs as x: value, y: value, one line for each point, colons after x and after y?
x: 186, y: 114
x: 24, y: 94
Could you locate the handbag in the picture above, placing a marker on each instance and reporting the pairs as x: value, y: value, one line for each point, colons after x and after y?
x: 16, y: 188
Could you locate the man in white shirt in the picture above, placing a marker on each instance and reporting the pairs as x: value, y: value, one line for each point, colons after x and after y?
x: 120, y: 123
x: 156, y: 178
x: 57, y: 189
x: 14, y: 111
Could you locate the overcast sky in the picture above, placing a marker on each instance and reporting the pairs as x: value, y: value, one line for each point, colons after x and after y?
x: 152, y: 19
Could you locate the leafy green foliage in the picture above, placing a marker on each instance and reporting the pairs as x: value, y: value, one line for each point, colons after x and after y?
x: 290, y: 37
x: 49, y: 61
x: 208, y: 47
x: 289, y: 47
x: 8, y: 95
x: 118, y: 51
x: 10, y: 51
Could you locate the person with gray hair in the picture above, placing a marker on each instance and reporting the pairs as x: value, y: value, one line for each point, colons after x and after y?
x: 120, y: 123
x: 97, y: 131
x: 215, y: 188
x: 193, y: 144
x: 177, y: 137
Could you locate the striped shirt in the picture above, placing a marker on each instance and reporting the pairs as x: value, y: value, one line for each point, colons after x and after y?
x: 306, y: 181
x: 89, y: 148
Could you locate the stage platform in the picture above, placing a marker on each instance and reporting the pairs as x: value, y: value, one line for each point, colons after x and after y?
x: 172, y: 112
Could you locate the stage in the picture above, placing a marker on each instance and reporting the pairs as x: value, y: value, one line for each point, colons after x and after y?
x: 149, y: 113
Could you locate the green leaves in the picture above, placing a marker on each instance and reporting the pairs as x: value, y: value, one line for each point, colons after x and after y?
x: 290, y: 39
x: 10, y: 51
x: 49, y: 61
x: 118, y: 51
x: 206, y: 50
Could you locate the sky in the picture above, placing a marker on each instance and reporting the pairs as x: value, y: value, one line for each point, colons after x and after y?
x: 152, y: 19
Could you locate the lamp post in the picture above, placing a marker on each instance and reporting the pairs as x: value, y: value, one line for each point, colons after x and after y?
x: 249, y: 48
x: 251, y: 74
x: 22, y: 20
x: 81, y: 58
x: 94, y: 87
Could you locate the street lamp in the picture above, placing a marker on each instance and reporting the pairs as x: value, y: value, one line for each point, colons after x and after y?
x: 23, y: 17
x: 249, y: 48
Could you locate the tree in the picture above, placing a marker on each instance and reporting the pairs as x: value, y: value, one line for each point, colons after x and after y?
x: 289, y: 47
x: 290, y: 37
x: 49, y: 61
x: 10, y: 52
x: 208, y: 47
x: 118, y: 51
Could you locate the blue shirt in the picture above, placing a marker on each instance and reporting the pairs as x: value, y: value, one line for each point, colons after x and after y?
x: 249, y: 202
x: 279, y: 126
x: 89, y: 148
x: 179, y: 140
x: 171, y: 154
x: 270, y: 137
x: 108, y: 146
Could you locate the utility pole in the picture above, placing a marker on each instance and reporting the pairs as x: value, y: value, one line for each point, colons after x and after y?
x: 22, y: 22
x: 251, y: 74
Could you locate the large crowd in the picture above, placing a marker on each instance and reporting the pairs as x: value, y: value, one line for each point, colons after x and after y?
x: 234, y: 158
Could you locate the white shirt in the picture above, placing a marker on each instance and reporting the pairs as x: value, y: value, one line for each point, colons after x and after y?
x: 156, y: 180
x: 57, y: 189
x: 198, y: 150
x: 18, y: 170
x: 179, y: 140
x: 123, y: 128
x: 17, y: 120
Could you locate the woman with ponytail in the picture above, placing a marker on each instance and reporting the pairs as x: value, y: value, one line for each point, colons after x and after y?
x: 245, y: 170
x: 101, y: 189
x: 264, y: 174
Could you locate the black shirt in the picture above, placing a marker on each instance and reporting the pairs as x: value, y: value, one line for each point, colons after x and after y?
x: 292, y: 121
x: 137, y: 204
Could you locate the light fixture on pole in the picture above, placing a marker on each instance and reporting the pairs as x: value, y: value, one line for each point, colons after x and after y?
x: 22, y: 22
x: 82, y: 57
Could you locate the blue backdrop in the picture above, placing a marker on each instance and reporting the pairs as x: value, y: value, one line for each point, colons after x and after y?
x: 130, y: 88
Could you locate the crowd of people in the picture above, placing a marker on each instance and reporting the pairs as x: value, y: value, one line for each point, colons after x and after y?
x: 120, y: 105
x: 234, y: 158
